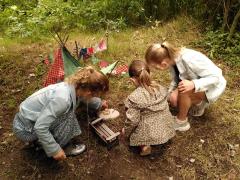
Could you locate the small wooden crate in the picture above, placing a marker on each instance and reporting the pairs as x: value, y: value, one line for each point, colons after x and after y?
x: 105, y: 133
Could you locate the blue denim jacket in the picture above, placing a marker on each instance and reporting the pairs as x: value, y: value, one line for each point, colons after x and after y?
x: 43, y: 107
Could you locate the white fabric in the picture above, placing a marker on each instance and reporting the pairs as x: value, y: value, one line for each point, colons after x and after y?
x: 108, y: 114
x: 206, y: 76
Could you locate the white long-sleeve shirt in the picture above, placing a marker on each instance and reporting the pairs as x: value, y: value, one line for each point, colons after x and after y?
x: 206, y: 76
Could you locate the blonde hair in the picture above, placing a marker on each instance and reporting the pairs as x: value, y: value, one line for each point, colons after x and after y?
x: 89, y: 79
x: 140, y: 70
x: 157, y: 52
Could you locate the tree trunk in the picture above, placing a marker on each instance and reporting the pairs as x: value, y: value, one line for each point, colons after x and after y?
x: 226, y: 7
x: 234, y: 25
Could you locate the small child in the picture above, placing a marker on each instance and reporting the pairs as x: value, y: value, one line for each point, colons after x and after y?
x: 48, y: 115
x: 196, y: 83
x: 149, y: 121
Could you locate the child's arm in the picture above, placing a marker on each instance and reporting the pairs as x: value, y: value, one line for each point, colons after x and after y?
x: 132, y: 118
x: 209, y: 74
x: 49, y: 114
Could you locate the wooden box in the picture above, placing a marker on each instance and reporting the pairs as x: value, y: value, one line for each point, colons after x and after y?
x: 109, y: 137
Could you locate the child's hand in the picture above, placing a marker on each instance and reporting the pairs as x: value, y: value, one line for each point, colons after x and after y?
x: 60, y: 155
x: 104, y: 104
x: 185, y: 86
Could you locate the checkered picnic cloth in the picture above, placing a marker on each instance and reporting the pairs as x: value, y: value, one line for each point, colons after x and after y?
x: 121, y: 69
x: 56, y: 71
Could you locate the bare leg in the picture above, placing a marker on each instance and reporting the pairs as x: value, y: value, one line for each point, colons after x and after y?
x: 173, y: 98
x: 184, y: 103
x: 186, y: 100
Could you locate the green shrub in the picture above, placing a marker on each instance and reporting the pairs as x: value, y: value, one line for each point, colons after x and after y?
x: 215, y: 42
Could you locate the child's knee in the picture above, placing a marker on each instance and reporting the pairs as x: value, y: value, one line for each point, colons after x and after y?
x: 173, y: 99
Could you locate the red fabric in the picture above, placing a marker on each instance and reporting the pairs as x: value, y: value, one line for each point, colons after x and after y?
x: 103, y: 64
x: 102, y: 45
x: 90, y: 51
x: 46, y: 61
x: 56, y: 72
x: 121, y: 69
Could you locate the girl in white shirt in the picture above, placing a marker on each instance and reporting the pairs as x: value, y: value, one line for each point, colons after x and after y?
x: 196, y: 80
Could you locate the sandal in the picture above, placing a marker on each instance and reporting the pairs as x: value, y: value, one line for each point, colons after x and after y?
x: 145, y: 150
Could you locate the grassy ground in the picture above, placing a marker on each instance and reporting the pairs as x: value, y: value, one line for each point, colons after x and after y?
x: 204, y: 152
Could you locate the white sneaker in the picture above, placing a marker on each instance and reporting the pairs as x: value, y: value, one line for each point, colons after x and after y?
x: 74, y: 150
x: 198, y: 109
x: 181, y: 125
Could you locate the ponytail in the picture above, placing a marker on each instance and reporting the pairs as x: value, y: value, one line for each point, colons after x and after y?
x: 145, y: 81
x: 140, y: 70
x: 171, y: 50
x: 157, y: 52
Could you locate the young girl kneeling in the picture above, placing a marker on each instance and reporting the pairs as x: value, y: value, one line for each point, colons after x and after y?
x: 196, y: 83
x: 149, y: 121
x: 48, y: 115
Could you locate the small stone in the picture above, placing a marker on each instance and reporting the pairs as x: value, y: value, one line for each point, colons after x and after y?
x: 23, y: 177
x: 236, y: 146
x: 230, y: 146
x: 202, y: 141
x: 152, y: 158
x: 178, y: 166
x: 88, y: 172
x: 150, y: 167
x: 4, y: 142
x: 232, y: 153
x: 10, y: 134
x: 32, y: 75
x: 170, y: 178
x: 39, y: 176
x: 3, y: 163
x: 192, y: 160
x: 71, y: 165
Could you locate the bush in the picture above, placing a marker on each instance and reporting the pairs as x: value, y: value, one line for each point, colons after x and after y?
x: 215, y: 42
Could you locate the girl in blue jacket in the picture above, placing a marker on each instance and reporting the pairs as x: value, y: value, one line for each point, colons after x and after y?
x: 47, y: 116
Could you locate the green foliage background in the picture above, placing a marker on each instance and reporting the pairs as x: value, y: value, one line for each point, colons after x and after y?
x: 36, y: 18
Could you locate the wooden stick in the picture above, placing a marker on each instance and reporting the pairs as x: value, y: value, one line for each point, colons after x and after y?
x: 77, y: 53
x: 66, y: 39
x: 59, y: 38
x: 54, y: 37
